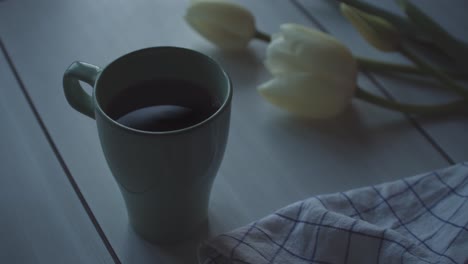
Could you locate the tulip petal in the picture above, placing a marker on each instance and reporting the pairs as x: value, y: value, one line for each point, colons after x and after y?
x: 300, y: 49
x: 217, y: 35
x: 314, y: 74
x: 377, y: 31
x: 316, y: 96
x: 226, y: 24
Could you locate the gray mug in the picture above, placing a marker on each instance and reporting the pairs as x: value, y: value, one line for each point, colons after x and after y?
x: 165, y: 177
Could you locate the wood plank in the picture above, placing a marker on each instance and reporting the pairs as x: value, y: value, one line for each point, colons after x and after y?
x: 271, y: 158
x: 42, y: 219
x: 447, y: 133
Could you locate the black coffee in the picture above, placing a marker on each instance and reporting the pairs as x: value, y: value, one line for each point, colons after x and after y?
x: 162, y: 105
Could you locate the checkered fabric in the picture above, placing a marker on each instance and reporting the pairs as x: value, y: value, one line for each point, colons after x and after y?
x: 421, y: 219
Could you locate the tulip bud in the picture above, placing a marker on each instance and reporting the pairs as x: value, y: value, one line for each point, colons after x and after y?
x: 228, y: 25
x: 314, y: 74
x: 377, y: 31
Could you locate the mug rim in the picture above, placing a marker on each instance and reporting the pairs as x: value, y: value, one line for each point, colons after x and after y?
x: 220, y: 109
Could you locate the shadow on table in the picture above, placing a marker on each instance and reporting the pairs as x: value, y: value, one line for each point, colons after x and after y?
x: 184, y: 252
x: 353, y: 122
x: 348, y: 124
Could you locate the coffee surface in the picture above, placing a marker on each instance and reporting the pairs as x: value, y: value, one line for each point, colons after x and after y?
x: 162, y: 105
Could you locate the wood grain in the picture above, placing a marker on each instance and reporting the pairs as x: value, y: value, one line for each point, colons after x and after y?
x: 42, y: 220
x: 272, y: 159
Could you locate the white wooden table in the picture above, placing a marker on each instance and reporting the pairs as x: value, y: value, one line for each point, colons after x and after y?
x: 58, y: 200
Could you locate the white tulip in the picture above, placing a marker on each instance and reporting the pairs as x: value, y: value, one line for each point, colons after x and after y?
x: 314, y: 74
x: 228, y: 25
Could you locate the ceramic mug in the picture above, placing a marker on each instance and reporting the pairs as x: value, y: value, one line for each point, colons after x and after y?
x: 165, y: 177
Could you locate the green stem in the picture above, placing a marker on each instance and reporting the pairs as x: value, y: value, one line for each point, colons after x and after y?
x: 429, y: 69
x: 262, y: 36
x: 376, y: 65
x: 411, y: 108
x: 453, y: 47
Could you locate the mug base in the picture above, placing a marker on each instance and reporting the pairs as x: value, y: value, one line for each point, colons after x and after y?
x: 198, y: 232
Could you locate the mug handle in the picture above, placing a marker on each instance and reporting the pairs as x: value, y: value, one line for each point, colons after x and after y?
x: 76, y: 96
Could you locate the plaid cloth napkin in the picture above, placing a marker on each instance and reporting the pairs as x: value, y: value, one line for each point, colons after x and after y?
x: 421, y: 219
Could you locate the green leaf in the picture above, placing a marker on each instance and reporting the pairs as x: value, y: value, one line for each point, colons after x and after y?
x: 450, y: 45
